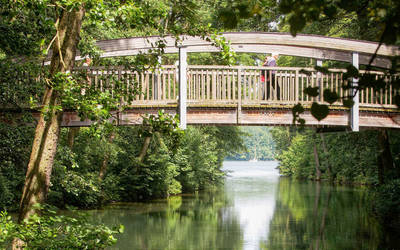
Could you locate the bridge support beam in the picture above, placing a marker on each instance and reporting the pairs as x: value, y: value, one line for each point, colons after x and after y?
x: 319, y: 80
x: 355, y: 112
x: 182, y: 87
x: 157, y: 80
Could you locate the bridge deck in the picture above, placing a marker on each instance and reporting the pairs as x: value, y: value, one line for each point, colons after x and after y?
x: 239, y: 95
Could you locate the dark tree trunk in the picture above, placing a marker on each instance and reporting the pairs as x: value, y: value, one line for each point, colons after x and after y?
x: 326, y: 152
x: 386, y: 167
x: 317, y: 166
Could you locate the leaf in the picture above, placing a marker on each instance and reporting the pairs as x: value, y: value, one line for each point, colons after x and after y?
x: 297, y: 23
x: 321, y: 69
x: 312, y: 91
x: 330, y: 96
x: 348, y: 103
x: 396, y: 100
x: 121, y: 228
x: 319, y: 111
x: 297, y: 109
x: 306, y: 72
x: 228, y: 17
x: 330, y: 11
x: 351, y: 72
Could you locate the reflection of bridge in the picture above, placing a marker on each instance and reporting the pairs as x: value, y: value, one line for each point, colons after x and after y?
x: 235, y: 95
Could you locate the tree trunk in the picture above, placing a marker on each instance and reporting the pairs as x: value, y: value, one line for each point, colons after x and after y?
x: 386, y: 167
x: 72, y: 132
x: 44, y: 146
x: 144, y: 149
x: 326, y: 152
x: 317, y: 166
x: 315, y: 213
x: 103, y: 169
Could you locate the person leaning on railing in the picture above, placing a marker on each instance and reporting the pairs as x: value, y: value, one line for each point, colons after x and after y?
x: 270, y: 61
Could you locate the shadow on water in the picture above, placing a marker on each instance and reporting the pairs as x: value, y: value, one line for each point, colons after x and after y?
x: 255, y: 210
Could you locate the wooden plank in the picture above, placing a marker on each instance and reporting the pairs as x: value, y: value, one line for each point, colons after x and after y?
x: 239, y: 103
x: 214, y: 85
x: 229, y: 85
x: 182, y: 87
x: 209, y: 84
x: 234, y: 84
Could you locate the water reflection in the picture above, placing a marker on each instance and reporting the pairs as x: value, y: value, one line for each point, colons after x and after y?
x: 319, y: 216
x: 255, y: 210
x: 189, y: 222
x: 252, y: 187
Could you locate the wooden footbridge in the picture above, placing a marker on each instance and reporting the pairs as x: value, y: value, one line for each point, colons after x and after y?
x: 235, y: 95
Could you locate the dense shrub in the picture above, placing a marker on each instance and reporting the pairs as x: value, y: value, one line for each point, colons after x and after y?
x: 51, y: 231
x: 15, y: 146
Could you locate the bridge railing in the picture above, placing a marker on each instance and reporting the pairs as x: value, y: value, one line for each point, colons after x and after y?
x: 232, y: 85
x: 147, y: 87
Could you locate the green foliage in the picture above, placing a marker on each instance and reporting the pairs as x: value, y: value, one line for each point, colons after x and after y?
x: 349, y: 157
x: 386, y: 203
x: 175, y: 162
x: 52, y: 231
x: 246, y: 15
x: 297, y: 160
x: 258, y: 142
x: 364, y: 20
x: 15, y: 145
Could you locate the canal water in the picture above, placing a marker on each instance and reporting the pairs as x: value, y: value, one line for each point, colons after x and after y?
x: 255, y: 209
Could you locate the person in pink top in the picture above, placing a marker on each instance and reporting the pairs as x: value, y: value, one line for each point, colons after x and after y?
x: 270, y: 61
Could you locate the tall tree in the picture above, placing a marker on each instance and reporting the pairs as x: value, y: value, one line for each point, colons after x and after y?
x: 57, y: 26
x: 68, y: 26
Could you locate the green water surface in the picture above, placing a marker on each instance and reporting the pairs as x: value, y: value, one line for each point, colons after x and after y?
x: 255, y: 209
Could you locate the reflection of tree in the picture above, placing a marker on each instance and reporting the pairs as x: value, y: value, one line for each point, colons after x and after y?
x: 200, y: 222
x: 317, y: 216
x: 319, y: 228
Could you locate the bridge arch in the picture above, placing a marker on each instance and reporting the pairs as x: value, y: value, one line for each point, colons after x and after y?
x: 312, y: 46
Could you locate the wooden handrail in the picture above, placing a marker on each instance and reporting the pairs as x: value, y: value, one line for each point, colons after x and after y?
x: 234, y: 84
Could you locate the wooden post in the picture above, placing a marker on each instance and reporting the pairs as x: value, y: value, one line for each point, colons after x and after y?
x: 354, y: 112
x: 239, y: 88
x: 319, y: 81
x: 182, y: 86
x: 157, y: 82
x: 296, y: 88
